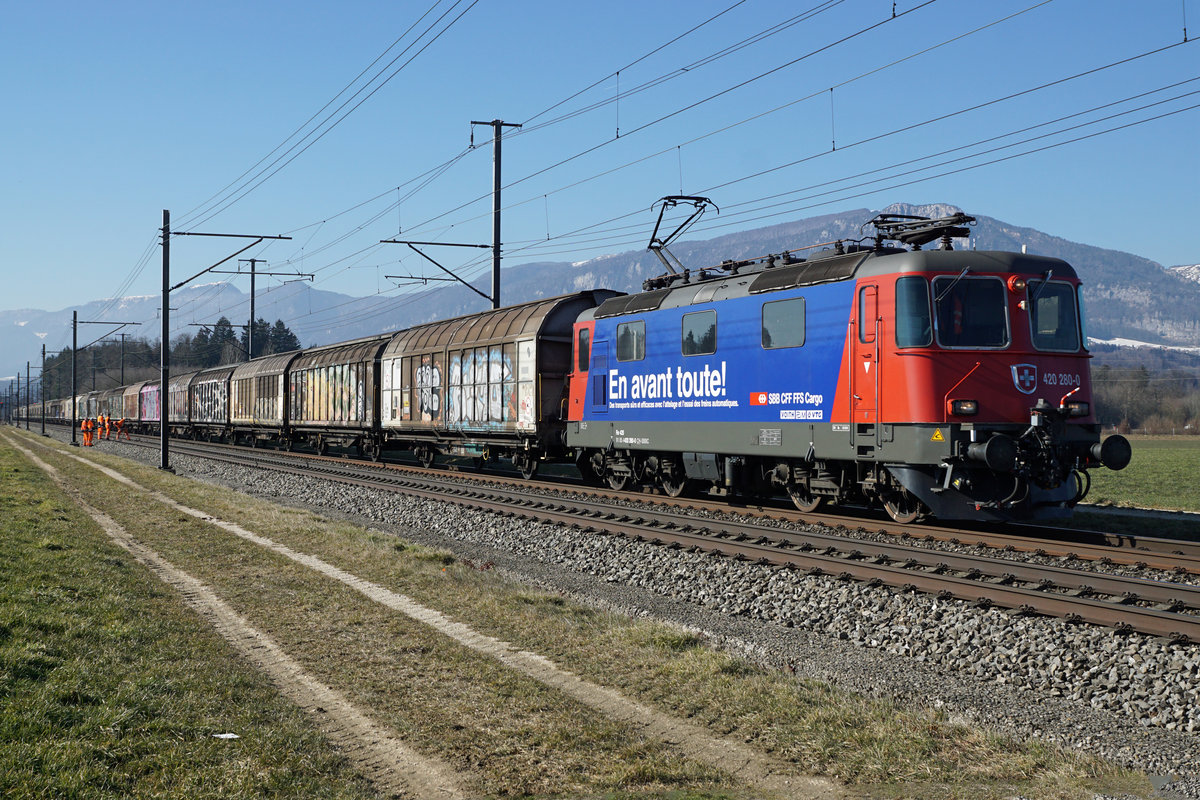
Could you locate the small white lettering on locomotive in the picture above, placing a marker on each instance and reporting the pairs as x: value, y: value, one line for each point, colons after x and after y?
x: 1061, y: 379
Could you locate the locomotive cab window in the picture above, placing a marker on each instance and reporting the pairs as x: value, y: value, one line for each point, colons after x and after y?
x: 914, y: 326
x: 583, y: 350
x: 971, y: 312
x: 631, y: 341
x: 699, y: 333
x: 1053, y: 319
x: 783, y: 323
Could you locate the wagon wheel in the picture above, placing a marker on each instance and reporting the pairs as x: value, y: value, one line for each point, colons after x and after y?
x: 526, y: 465
x: 322, y: 446
x: 371, y: 450
x: 425, y: 456
x: 804, y: 499
x: 902, y: 506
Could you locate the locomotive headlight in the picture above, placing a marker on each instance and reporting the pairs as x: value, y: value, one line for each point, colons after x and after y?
x: 1078, y: 408
x: 963, y: 408
x: 1016, y: 284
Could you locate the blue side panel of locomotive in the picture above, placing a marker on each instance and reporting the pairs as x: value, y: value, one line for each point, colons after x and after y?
x: 741, y: 381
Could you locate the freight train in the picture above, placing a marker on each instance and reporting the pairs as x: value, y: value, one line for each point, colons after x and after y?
x: 946, y: 383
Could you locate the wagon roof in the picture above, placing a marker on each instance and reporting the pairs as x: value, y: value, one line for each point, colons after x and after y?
x: 264, y: 365
x: 180, y: 381
x: 214, y: 373
x: 352, y: 352
x: 498, y: 325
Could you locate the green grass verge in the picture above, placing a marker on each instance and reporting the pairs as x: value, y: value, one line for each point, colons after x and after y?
x: 1162, y: 474
x: 110, y: 687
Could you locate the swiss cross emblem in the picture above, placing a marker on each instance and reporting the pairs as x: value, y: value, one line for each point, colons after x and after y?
x: 1025, y: 378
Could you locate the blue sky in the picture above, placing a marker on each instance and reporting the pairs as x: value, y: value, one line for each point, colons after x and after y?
x: 116, y: 111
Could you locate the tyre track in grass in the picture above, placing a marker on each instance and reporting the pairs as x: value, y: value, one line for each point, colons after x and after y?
x: 735, y: 758
x: 388, y: 763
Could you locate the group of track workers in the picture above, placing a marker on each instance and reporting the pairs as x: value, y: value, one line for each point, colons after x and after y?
x: 102, y: 427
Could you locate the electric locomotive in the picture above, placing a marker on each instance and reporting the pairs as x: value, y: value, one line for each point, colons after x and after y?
x: 943, y: 382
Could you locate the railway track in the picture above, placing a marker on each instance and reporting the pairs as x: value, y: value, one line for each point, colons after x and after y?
x: 1127, y: 604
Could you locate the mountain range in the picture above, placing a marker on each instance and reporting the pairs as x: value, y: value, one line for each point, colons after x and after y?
x: 1129, y: 298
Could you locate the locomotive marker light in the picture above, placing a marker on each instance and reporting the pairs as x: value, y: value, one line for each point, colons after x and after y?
x: 964, y: 408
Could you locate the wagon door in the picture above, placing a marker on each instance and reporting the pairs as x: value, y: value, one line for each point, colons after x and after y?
x: 864, y: 363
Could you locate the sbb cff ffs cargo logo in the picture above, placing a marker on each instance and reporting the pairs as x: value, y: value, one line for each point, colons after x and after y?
x: 1025, y: 378
x: 758, y: 398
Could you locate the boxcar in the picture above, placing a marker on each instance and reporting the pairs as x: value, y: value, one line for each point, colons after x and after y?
x: 129, y: 402
x: 208, y: 399
x: 331, y: 395
x: 257, y: 397
x: 149, y: 407
x: 178, y: 414
x: 483, y: 385
x: 110, y: 402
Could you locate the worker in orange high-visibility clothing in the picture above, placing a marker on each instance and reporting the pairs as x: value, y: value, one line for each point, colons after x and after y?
x: 83, y: 431
x: 121, y: 429
x: 86, y: 426
x: 107, y: 427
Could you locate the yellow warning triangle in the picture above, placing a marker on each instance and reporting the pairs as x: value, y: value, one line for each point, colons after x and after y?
x: 937, y: 436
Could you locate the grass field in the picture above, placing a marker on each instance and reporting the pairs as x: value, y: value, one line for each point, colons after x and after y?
x: 109, y: 687
x: 1164, y: 473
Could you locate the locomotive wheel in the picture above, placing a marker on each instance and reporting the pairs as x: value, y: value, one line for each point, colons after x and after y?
x: 902, y: 506
x: 671, y: 478
x: 618, y: 481
x: 804, y: 499
x: 591, y: 467
x: 673, y: 485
